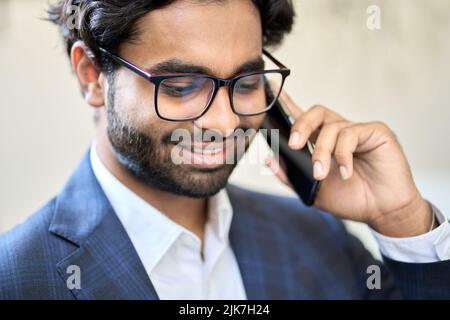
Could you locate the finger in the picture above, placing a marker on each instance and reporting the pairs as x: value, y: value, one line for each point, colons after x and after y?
x: 347, y: 142
x: 324, y: 148
x: 309, y: 122
x: 278, y: 170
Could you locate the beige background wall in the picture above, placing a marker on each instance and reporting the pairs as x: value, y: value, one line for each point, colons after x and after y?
x: 399, y: 74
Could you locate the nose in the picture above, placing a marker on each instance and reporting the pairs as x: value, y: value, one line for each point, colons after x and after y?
x: 220, y: 117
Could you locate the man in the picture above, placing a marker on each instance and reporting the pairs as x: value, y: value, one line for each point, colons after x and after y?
x: 131, y: 223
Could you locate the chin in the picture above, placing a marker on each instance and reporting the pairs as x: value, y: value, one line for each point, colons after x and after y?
x: 203, y: 182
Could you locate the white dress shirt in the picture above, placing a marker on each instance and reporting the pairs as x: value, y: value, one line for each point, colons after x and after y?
x: 172, y: 255
x: 428, y: 247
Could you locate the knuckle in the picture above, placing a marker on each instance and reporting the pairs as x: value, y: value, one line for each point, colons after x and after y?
x: 320, y: 151
x: 380, y: 125
x: 346, y: 132
x: 318, y: 108
x: 301, y: 126
x: 325, y: 144
x: 308, y: 128
x: 383, y: 127
x: 341, y: 156
x: 335, y: 126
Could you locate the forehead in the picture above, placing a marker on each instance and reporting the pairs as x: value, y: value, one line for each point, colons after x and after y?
x: 219, y: 35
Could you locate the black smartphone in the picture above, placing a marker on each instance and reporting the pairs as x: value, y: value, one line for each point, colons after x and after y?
x: 299, y: 167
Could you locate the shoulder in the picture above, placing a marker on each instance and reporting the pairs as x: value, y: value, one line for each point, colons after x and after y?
x: 307, y: 238
x: 286, y: 211
x: 28, y: 257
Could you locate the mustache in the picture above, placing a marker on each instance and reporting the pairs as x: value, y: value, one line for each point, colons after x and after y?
x: 207, y: 135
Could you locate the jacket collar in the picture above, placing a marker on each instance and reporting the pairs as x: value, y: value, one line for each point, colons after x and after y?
x: 257, y: 245
x: 110, y: 267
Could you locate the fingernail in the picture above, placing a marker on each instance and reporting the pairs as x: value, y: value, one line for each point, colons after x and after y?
x: 318, y: 169
x: 294, y: 139
x: 344, y: 172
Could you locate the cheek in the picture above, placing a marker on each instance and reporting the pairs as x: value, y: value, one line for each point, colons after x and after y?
x: 134, y: 99
x: 134, y: 104
x: 253, y: 122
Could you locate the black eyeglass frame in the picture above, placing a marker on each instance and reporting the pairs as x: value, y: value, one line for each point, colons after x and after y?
x: 218, y: 83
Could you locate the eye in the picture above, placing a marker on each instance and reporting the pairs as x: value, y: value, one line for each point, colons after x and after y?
x: 177, y: 90
x: 182, y: 87
x: 248, y: 84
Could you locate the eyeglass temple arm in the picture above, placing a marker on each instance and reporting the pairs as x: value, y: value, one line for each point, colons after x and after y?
x: 125, y: 63
x: 274, y: 60
x: 145, y: 74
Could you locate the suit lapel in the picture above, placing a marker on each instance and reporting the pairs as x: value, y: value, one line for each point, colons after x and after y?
x: 258, y: 250
x: 109, y: 265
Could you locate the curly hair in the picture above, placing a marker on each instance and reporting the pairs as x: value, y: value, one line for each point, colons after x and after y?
x: 109, y: 23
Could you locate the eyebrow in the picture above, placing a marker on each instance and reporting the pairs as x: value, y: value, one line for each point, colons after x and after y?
x: 177, y: 66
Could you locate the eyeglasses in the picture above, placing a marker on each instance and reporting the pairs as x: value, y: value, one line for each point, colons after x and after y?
x: 188, y: 96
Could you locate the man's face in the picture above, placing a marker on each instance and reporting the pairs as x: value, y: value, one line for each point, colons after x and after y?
x: 218, y: 36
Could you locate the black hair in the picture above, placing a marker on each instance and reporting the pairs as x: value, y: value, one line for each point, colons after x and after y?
x: 109, y: 23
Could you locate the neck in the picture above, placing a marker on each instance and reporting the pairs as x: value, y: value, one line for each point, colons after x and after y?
x: 190, y: 213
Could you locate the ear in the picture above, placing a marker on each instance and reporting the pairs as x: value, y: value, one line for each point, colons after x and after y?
x: 89, y: 77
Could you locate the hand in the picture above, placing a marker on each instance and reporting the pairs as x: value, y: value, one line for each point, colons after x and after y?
x: 364, y: 174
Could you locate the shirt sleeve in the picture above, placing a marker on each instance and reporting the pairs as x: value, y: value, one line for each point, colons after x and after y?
x: 432, y: 246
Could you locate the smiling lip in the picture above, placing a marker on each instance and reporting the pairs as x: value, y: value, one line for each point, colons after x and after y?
x: 206, y: 155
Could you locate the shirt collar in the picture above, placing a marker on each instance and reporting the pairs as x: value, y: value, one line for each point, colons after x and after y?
x: 220, y: 214
x: 151, y: 232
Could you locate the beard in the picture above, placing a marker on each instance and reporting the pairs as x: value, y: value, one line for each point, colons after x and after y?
x: 147, y: 156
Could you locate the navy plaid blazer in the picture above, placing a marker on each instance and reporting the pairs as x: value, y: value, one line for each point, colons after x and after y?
x: 284, y: 250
